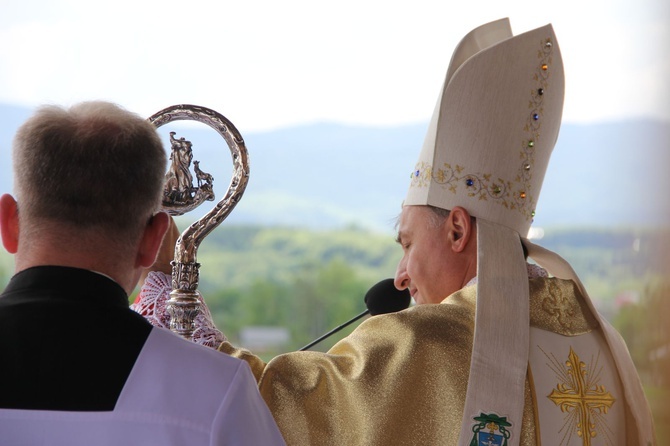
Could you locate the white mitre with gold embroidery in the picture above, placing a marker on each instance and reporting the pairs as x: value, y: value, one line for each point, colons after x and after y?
x: 487, y: 149
x: 494, y: 126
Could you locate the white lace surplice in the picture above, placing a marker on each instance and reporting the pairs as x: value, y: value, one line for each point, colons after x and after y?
x: 152, y: 304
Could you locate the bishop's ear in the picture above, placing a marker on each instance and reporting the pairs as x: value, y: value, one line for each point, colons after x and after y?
x: 460, y: 227
x: 9, y: 223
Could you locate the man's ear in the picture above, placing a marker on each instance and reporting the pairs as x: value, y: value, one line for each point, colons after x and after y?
x: 152, y: 239
x: 460, y: 228
x: 9, y: 223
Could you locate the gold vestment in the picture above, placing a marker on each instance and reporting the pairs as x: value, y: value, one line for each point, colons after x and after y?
x: 401, y: 378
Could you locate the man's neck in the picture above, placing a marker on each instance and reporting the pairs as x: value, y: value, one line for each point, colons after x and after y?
x: 534, y: 271
x: 117, y: 271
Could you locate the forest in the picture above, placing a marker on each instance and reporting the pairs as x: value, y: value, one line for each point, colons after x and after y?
x: 290, y: 285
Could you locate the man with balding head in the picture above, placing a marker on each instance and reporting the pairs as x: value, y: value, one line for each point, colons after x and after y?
x: 78, y: 366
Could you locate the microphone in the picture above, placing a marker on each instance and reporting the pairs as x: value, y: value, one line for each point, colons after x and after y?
x: 382, y: 298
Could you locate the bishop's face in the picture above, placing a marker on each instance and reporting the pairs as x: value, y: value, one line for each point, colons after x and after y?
x: 430, y: 267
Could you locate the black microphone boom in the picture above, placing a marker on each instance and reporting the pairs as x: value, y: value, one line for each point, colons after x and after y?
x: 334, y: 330
x: 382, y: 298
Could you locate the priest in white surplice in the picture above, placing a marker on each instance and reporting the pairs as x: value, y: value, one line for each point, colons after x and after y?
x: 77, y: 366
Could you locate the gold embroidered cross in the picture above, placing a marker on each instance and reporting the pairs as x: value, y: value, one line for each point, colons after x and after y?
x: 581, y: 395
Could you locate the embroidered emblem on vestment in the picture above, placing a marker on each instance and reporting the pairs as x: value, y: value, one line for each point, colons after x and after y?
x: 490, y: 430
x: 580, y: 396
x: 557, y: 305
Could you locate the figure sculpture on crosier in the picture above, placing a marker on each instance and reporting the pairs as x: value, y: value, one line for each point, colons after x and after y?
x: 179, y: 189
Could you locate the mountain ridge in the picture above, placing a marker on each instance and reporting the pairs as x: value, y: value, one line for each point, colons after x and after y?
x: 328, y: 175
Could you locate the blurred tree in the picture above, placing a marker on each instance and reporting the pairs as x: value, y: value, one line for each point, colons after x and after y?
x: 325, y: 297
x: 317, y: 298
x: 645, y: 328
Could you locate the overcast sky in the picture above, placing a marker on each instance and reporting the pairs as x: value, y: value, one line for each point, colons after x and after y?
x: 268, y: 64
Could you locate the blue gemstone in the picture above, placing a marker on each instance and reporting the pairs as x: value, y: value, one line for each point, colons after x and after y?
x: 469, y: 182
x: 416, y: 174
x: 536, y: 116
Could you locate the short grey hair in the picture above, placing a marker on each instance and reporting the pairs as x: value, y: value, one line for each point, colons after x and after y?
x: 437, y: 216
x: 92, y: 165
